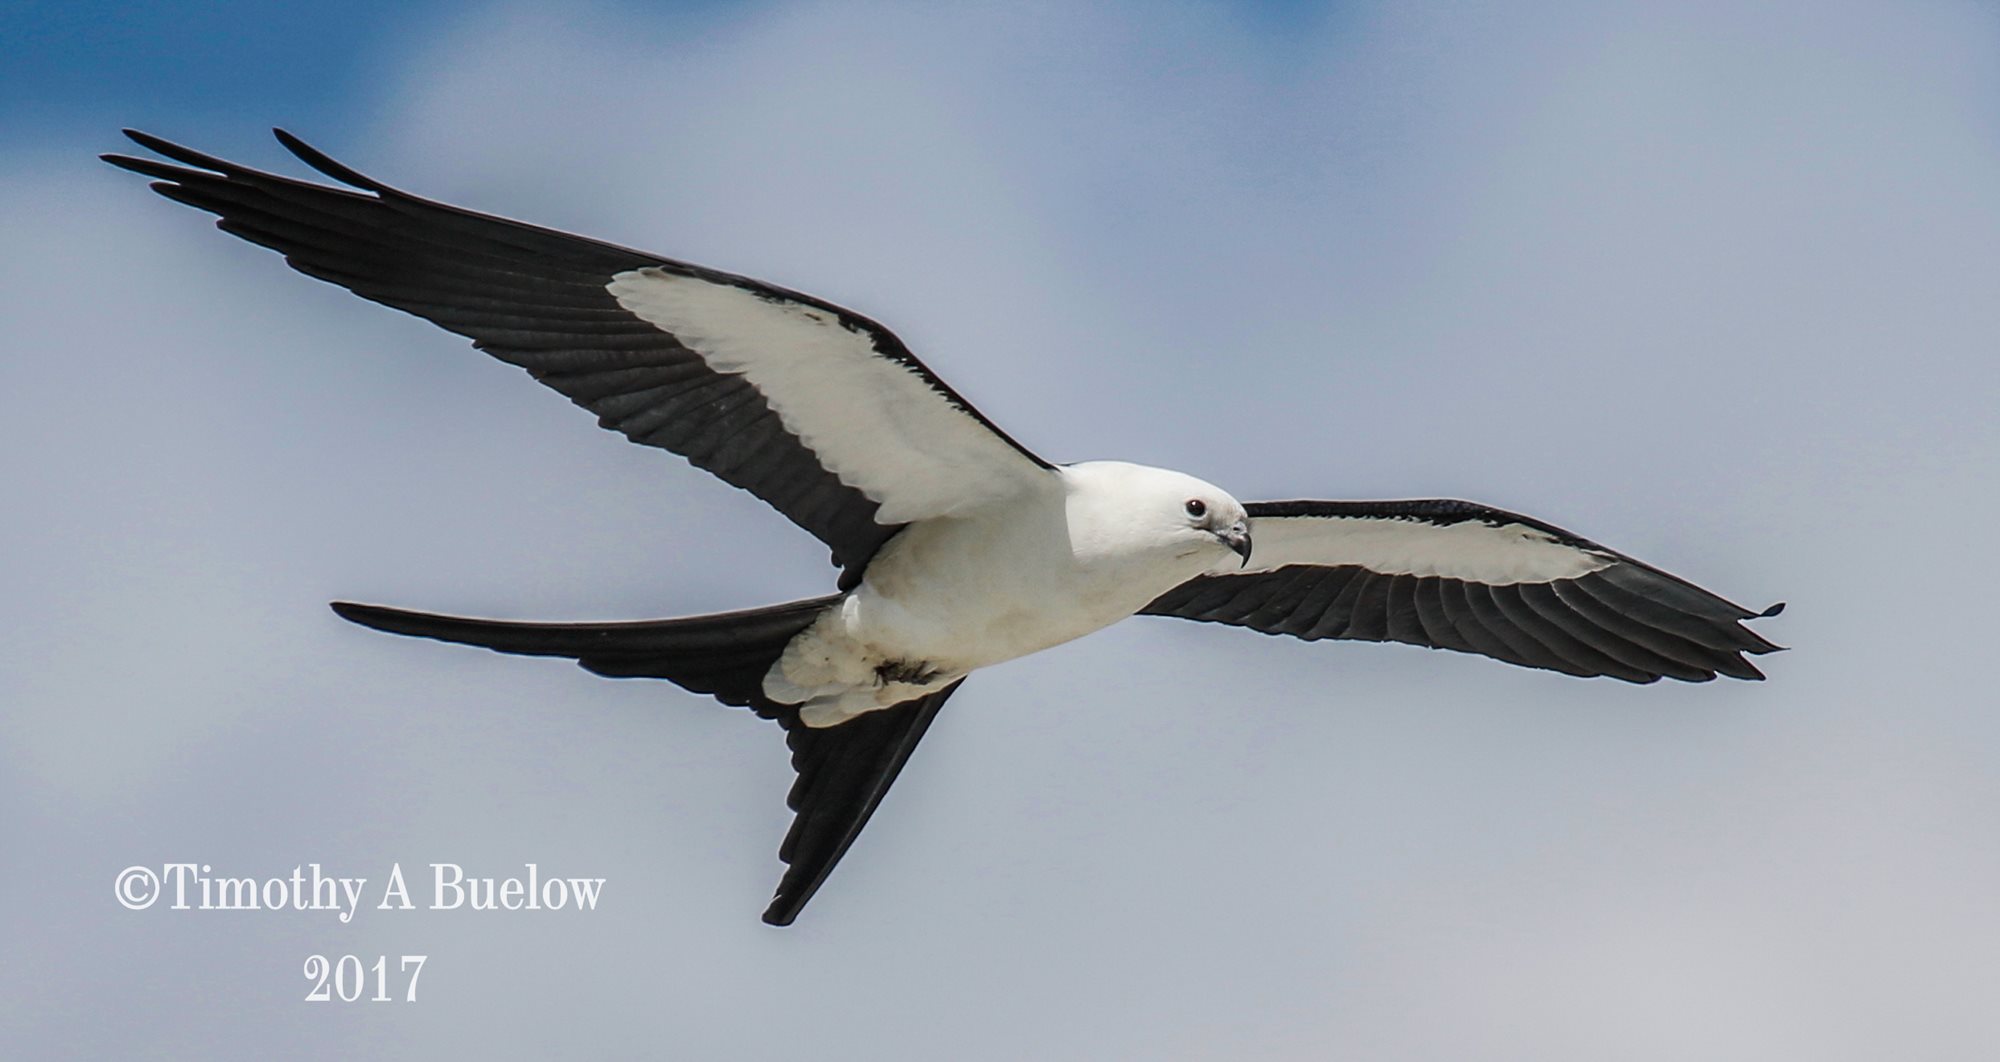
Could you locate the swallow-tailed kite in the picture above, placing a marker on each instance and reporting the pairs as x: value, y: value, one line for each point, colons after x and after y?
x: 957, y: 547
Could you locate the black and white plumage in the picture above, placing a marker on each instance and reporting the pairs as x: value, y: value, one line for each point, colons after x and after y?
x: 958, y: 547
x: 1454, y: 575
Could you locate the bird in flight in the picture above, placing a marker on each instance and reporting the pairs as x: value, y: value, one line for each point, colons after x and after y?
x: 957, y: 547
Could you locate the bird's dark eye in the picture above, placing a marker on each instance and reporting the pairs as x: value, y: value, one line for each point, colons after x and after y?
x: 1196, y: 507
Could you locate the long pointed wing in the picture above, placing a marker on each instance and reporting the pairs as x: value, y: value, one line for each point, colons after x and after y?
x: 819, y: 411
x: 1455, y: 575
x: 844, y: 771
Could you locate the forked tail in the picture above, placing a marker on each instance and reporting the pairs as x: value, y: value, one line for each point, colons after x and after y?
x: 843, y: 771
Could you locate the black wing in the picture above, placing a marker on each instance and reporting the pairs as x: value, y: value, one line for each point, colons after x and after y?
x: 729, y: 372
x: 1455, y: 575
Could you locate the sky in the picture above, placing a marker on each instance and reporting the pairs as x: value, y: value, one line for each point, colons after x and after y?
x: 1710, y: 283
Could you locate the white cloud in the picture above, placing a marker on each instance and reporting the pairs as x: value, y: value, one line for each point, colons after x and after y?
x: 1703, y: 283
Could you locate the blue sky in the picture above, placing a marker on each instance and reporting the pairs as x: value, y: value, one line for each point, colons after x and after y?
x: 76, y: 63
x: 70, y: 64
x: 1710, y: 283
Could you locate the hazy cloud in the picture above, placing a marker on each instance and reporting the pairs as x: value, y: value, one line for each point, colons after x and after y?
x: 1708, y: 283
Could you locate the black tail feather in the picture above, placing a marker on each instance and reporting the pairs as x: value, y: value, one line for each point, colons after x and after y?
x: 844, y: 771
x: 724, y: 655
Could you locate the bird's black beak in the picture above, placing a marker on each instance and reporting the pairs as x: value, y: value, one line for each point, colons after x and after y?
x: 1237, y: 538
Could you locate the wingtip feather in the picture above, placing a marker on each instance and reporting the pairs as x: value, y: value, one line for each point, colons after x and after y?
x: 374, y: 617
x: 320, y: 161
x: 186, y: 156
x: 127, y: 162
x: 146, y: 140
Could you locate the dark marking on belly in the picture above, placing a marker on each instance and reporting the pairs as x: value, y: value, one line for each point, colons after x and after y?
x: 914, y: 672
